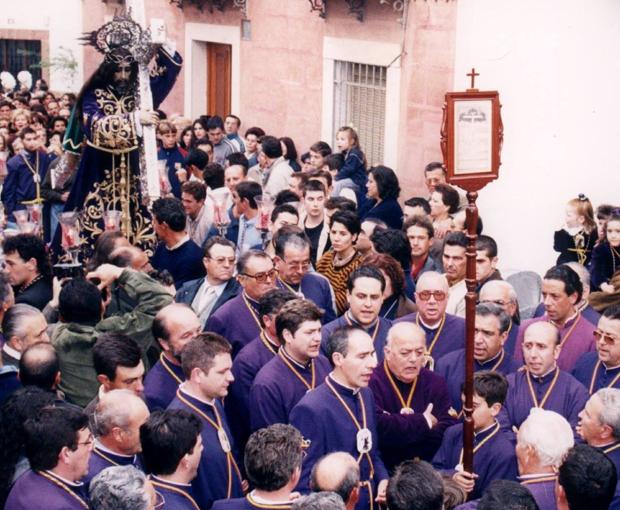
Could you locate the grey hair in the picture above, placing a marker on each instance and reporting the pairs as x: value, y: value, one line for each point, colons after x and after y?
x: 119, y: 488
x: 15, y: 318
x: 549, y: 434
x: 319, y: 501
x: 486, y: 309
x: 582, y: 272
x: 610, y: 415
x: 512, y: 293
x: 108, y: 415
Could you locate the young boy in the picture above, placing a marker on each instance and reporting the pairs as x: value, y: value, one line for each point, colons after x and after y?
x: 494, y: 454
x: 171, y: 153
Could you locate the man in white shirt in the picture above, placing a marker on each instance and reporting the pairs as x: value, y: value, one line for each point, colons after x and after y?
x: 277, y: 171
x: 199, y: 213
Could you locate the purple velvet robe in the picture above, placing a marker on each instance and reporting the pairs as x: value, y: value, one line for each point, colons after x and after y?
x: 160, y: 386
x: 235, y: 322
x: 407, y: 436
x: 451, y: 338
x: 213, y: 472
x: 32, y: 490
x: 276, y: 389
x: 100, y: 460
x: 452, y: 368
x: 495, y: 460
x: 379, y: 338
x: 567, y: 398
x: 613, y: 452
x: 511, y: 340
x: 327, y: 427
x: 176, y: 496
x: 248, y: 503
x: 603, y: 378
x: 542, y: 488
x: 247, y: 364
x: 580, y: 341
x: 316, y: 288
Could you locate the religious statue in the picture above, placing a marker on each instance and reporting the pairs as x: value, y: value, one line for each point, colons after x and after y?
x: 105, y: 130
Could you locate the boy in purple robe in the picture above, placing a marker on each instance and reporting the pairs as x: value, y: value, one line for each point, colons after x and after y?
x: 412, y: 403
x: 562, y: 290
x: 601, y: 369
x: 541, y: 383
x: 494, y: 454
x: 116, y: 422
x: 339, y: 415
x: 273, y: 463
x: 444, y: 332
x: 296, y: 369
x: 365, y: 295
x: 543, y: 441
x: 173, y: 326
x: 171, y: 450
x: 57, y: 446
x: 491, y: 331
x: 250, y: 360
x: 207, y: 365
x: 238, y: 320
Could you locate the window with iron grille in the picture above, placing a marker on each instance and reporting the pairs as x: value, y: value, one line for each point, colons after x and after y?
x: 21, y: 55
x: 359, y: 101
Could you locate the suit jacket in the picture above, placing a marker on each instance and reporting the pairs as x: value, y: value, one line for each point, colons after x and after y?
x: 188, y: 291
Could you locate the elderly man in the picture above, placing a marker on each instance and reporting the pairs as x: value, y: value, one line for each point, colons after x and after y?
x: 503, y: 294
x: 122, y: 488
x: 543, y: 441
x: 444, y: 332
x: 337, y: 472
x: 541, y: 383
x: 412, y: 403
x: 23, y: 325
x: 117, y: 421
x: 491, y: 330
x: 599, y: 426
x: 415, y: 484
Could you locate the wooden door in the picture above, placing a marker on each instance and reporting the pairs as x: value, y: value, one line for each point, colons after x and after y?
x: 218, y: 79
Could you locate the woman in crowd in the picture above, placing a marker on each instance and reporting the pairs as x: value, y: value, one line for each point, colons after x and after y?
x: 289, y: 152
x: 252, y: 137
x: 444, y: 203
x: 383, y: 192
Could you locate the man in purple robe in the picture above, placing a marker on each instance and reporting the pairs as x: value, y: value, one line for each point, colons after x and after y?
x: 297, y: 368
x: 365, y: 295
x: 117, y: 420
x: 238, y: 320
x: 444, y: 332
x: 543, y: 441
x: 494, y: 454
x: 171, y: 451
x: 339, y: 414
x: 292, y: 260
x: 250, y: 360
x: 207, y: 366
x: 491, y: 332
x: 412, y: 403
x: 541, y: 383
x: 173, y: 326
x: 503, y: 294
x: 58, y: 445
x: 562, y: 290
x: 599, y: 426
x: 273, y: 463
x: 601, y: 369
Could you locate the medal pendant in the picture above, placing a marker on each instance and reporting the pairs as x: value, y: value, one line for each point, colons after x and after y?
x: 364, y: 440
x: 407, y: 410
x: 37, y: 178
x: 224, y: 442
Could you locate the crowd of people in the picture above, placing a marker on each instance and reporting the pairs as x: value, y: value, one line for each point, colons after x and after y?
x: 302, y: 346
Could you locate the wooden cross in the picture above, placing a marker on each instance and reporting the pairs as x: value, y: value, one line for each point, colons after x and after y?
x: 473, y: 75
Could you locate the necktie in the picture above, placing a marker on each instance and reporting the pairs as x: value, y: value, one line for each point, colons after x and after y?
x: 204, y: 303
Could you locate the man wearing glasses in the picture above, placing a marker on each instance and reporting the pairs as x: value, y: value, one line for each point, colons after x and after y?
x: 601, y: 369
x: 238, y: 320
x: 444, y: 332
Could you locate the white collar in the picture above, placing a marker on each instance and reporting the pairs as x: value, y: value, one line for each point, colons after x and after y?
x: 428, y: 326
x: 64, y: 480
x: 183, y: 388
x: 11, y: 352
x: 183, y: 240
x: 99, y: 445
x: 265, y: 501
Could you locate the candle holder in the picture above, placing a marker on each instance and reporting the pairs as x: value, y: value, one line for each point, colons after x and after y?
x: 35, y: 216
x: 70, y: 238
x: 221, y: 219
x: 112, y: 220
x: 265, y: 204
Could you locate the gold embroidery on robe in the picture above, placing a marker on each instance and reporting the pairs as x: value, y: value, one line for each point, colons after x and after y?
x: 115, y: 131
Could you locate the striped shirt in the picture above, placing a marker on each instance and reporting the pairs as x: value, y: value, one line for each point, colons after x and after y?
x: 338, y: 276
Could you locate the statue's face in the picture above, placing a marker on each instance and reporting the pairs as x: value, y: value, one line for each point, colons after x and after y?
x: 121, y: 77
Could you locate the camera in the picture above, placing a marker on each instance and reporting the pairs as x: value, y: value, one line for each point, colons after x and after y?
x: 61, y: 271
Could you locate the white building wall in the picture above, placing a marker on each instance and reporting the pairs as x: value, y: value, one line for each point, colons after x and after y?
x: 555, y: 64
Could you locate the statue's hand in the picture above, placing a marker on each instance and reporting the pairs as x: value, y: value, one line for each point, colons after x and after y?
x: 148, y: 117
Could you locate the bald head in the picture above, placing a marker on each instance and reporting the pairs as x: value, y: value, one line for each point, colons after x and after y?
x: 501, y: 293
x: 405, y: 331
x: 431, y: 297
x: 337, y: 472
x: 174, y: 326
x: 130, y: 256
x: 39, y: 366
x: 405, y: 351
x: 541, y: 347
x: 542, y: 330
x: 432, y: 280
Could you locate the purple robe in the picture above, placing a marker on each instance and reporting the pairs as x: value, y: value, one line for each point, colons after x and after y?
x: 100, y: 460
x: 567, y: 398
x: 215, y: 469
x: 248, y: 503
x: 177, y: 496
x: 511, y: 339
x: 589, y: 313
x: 577, y: 341
x: 451, y: 338
x: 406, y: 436
x: 247, y: 364
x: 603, y: 378
x: 378, y: 337
x: 236, y: 322
x: 160, y: 385
x: 452, y: 368
x: 277, y: 389
x: 542, y: 488
x: 316, y: 288
x: 613, y: 452
x: 495, y: 460
x: 32, y: 490
x: 327, y: 427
